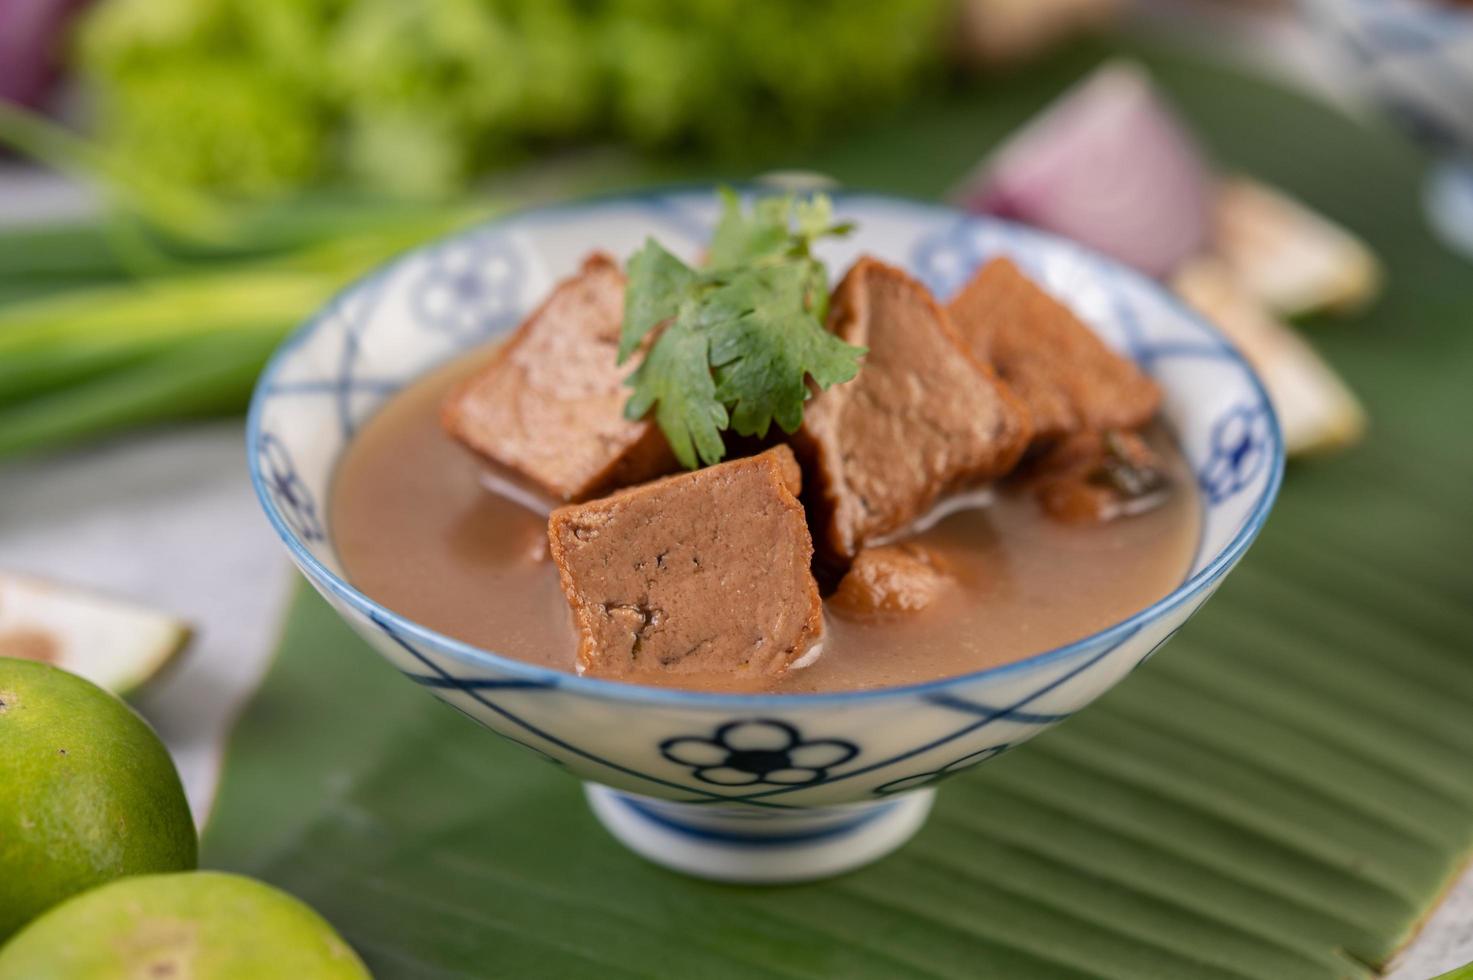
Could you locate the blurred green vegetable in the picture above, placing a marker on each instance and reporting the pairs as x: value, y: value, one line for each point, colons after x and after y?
x: 138, y: 321
x: 205, y: 375
x: 92, y: 359
x: 256, y: 97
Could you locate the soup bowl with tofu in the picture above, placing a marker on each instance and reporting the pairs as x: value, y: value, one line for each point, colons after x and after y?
x: 1000, y: 473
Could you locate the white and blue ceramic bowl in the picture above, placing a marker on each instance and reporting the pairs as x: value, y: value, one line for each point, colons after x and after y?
x: 746, y: 787
x: 1414, y: 59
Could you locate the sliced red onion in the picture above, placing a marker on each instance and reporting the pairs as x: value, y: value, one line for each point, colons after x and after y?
x: 32, y: 33
x: 1107, y: 164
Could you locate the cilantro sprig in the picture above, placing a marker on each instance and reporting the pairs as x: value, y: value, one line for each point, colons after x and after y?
x: 740, y: 337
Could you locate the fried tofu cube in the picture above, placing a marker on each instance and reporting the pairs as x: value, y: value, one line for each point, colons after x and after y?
x: 702, y: 574
x: 549, y: 407
x: 1069, y: 379
x: 1094, y: 477
x: 900, y: 578
x: 922, y: 418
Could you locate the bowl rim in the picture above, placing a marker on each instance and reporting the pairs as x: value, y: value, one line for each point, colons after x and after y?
x: 477, y: 657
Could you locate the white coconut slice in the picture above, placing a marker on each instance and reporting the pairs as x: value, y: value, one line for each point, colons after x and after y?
x: 1292, y: 259
x: 1316, y: 409
x: 114, y: 644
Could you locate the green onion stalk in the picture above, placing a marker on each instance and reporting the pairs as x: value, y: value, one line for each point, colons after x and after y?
x: 168, y: 310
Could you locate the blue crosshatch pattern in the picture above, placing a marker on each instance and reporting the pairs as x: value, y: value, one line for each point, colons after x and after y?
x: 476, y: 691
x: 440, y: 679
x: 985, y: 719
x: 706, y: 764
x: 922, y: 779
x: 288, y: 490
x: 349, y: 313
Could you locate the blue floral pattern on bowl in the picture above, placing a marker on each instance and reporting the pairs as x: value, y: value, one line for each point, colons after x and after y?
x: 758, y: 750
x: 1240, y: 448
x: 683, y: 776
x: 468, y: 289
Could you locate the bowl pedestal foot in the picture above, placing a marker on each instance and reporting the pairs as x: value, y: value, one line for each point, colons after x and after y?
x: 759, y: 846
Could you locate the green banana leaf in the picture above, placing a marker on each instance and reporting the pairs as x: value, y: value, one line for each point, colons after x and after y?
x: 1282, y: 794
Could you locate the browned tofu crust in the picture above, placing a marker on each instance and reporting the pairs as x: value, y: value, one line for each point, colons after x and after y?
x: 549, y: 407
x: 705, y: 573
x: 900, y: 578
x: 1093, y: 477
x: 922, y: 418
x: 1069, y: 379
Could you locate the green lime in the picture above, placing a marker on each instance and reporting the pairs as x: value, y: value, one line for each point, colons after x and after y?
x: 89, y: 792
x: 201, y: 926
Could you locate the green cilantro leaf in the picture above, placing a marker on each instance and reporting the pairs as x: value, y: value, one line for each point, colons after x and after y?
x: 676, y: 381
x: 740, y: 239
x: 736, y: 344
x: 815, y: 218
x: 657, y: 283
x: 765, y: 342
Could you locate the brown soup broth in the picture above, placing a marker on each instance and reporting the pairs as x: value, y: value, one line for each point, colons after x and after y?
x: 418, y: 531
